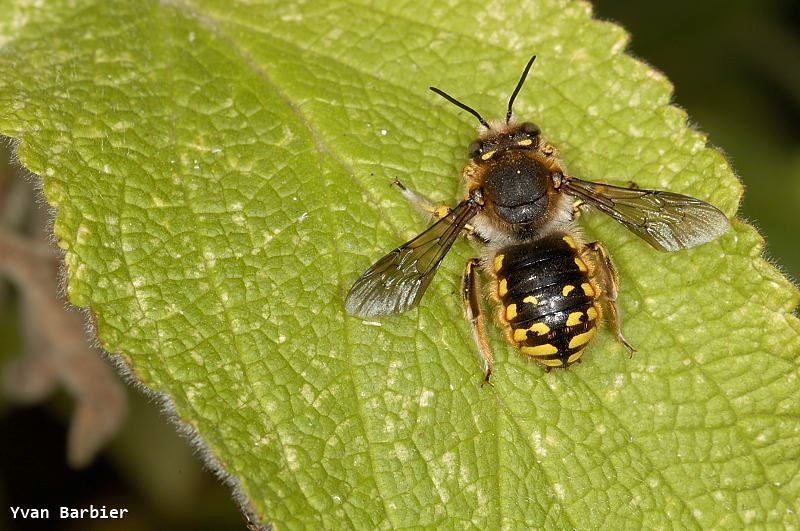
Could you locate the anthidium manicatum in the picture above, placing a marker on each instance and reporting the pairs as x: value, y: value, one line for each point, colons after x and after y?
x: 550, y: 287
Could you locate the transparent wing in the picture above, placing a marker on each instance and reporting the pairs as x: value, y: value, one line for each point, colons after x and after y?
x: 396, y: 282
x: 667, y: 221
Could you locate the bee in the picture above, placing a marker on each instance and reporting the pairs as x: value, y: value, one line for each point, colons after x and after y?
x: 550, y: 287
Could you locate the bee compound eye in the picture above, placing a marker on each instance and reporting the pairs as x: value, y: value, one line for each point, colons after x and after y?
x: 531, y: 129
x: 475, y: 149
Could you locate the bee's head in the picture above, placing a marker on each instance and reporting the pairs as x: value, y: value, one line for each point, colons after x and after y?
x: 502, y: 136
x: 495, y: 141
x: 515, y: 186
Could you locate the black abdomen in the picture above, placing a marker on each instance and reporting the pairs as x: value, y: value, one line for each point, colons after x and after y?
x: 549, y: 302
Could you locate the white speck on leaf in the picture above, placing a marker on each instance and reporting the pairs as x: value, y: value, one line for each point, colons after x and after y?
x: 401, y: 452
x: 308, y: 393
x: 291, y: 459
x: 538, y: 447
x: 425, y: 397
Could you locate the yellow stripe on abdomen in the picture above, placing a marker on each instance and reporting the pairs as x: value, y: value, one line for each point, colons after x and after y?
x: 539, y: 350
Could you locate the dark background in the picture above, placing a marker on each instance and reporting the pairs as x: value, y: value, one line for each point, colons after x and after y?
x: 735, y: 66
x: 735, y: 69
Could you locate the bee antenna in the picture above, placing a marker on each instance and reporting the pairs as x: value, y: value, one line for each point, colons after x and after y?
x: 457, y: 103
x: 519, y: 87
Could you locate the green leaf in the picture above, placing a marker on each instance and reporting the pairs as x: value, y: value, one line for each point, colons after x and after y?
x: 221, y: 174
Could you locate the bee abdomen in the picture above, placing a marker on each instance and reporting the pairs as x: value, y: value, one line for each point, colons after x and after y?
x: 549, y: 301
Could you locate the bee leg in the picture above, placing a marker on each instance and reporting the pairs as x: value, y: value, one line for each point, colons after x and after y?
x: 470, y: 296
x: 420, y: 202
x: 608, y: 282
x: 426, y: 206
x: 577, y: 207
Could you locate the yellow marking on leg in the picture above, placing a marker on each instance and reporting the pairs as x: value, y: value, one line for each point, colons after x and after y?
x: 540, y: 329
x: 574, y: 357
x: 587, y: 289
x: 591, y: 313
x: 552, y: 363
x: 567, y: 289
x: 582, y: 339
x: 525, y: 142
x: 581, y: 265
x: 502, y: 289
x: 570, y: 241
x: 539, y: 350
x: 498, y: 262
x: 574, y: 318
x: 511, y: 311
x: 487, y: 155
x: 530, y: 299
